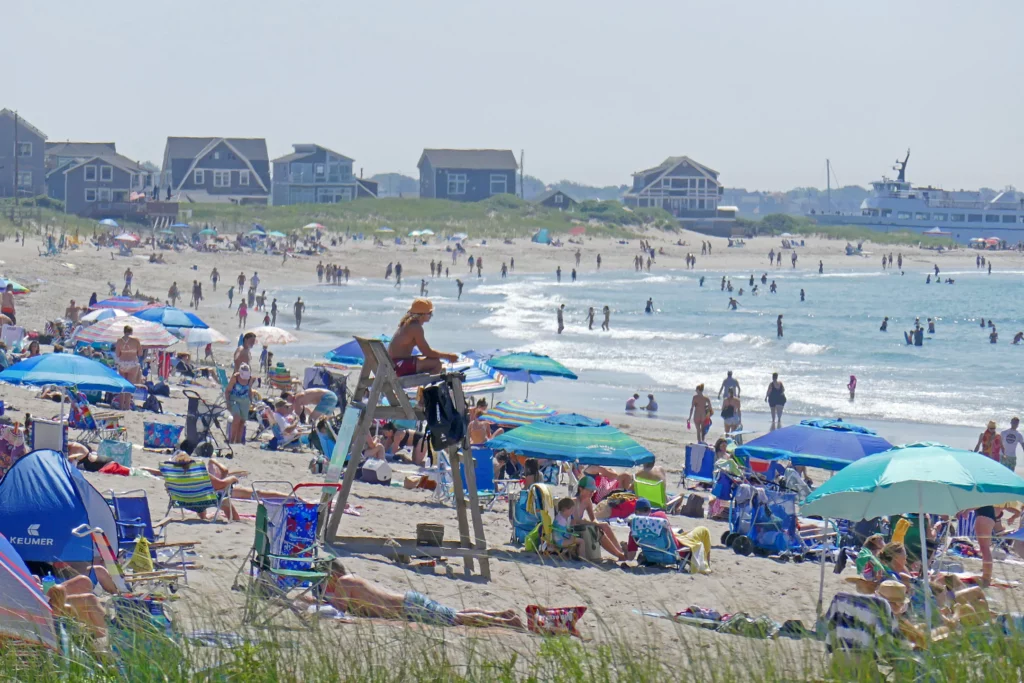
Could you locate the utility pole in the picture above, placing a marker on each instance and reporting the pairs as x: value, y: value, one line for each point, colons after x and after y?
x: 16, y: 155
x: 522, y: 175
x: 828, y: 183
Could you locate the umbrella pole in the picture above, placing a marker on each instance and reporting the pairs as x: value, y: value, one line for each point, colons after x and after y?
x: 924, y: 570
x: 821, y: 577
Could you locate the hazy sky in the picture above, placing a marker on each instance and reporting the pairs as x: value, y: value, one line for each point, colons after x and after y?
x: 592, y: 90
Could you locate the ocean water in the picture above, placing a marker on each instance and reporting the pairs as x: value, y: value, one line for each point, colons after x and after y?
x: 956, y: 378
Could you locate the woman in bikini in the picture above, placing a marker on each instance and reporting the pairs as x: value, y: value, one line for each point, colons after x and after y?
x: 395, y: 439
x: 700, y: 411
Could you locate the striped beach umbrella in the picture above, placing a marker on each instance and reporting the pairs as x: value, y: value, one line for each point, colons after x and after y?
x: 103, y: 314
x: 574, y: 438
x: 17, y: 288
x: 151, y: 335
x: 124, y: 303
x: 517, y: 413
x: 267, y: 335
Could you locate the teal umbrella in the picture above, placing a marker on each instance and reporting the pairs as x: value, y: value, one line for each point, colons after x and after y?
x: 276, y: 233
x: 207, y: 231
x: 574, y: 438
x: 928, y: 478
x: 531, y: 364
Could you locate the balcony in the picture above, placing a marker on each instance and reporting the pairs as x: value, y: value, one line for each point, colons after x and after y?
x: 138, y: 210
x: 301, y: 178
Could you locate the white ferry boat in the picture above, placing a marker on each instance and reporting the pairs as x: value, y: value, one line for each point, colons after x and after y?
x: 962, y: 215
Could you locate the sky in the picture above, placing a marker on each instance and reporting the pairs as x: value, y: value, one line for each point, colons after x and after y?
x: 590, y: 90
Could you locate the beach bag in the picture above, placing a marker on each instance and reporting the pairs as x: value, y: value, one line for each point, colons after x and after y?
x: 533, y: 540
x: 118, y: 451
x: 693, y: 507
x: 444, y: 423
x: 553, y: 621
x: 157, y: 435
x: 153, y: 405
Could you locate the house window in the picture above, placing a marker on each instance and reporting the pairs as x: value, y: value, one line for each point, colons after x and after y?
x: 903, y: 215
x: 199, y: 177
x: 90, y: 173
x: 700, y: 183
x: 24, y: 178
x: 1009, y: 219
x: 957, y: 217
x: 974, y: 218
x: 216, y: 155
x: 991, y: 218
x: 319, y: 170
x: 24, y: 149
x: 222, y: 178
x: 920, y: 216
x: 938, y: 217
x: 90, y: 195
x: 104, y: 194
x: 456, y: 183
x: 243, y: 177
x: 666, y: 182
x: 106, y: 174
x: 558, y: 198
x: 499, y: 183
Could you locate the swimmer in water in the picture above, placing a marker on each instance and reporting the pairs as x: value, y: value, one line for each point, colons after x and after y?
x: 931, y: 326
x: 928, y: 280
x: 751, y: 279
x: 885, y: 325
x: 993, y: 336
x: 852, y: 386
x: 778, y: 326
x: 723, y: 283
x: 740, y: 292
x: 982, y: 323
x: 1017, y: 338
x: 801, y: 295
x: 732, y: 304
x: 764, y: 278
x: 701, y: 280
x: 773, y: 288
x: 649, y: 308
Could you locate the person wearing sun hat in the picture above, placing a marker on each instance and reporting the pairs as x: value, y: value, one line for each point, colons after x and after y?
x: 410, y: 337
x: 990, y: 442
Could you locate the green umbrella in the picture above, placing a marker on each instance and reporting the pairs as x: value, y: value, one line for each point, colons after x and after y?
x: 207, y: 231
x: 275, y: 233
x: 532, y: 364
x: 928, y: 478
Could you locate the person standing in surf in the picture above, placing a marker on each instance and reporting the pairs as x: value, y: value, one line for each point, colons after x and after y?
x: 776, y: 398
x: 606, y: 325
x: 778, y: 326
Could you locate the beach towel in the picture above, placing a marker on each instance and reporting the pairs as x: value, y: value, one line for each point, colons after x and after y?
x: 552, y: 621
x: 156, y: 435
x: 858, y: 622
x: 698, y: 540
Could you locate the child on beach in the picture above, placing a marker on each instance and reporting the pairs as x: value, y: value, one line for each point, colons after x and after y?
x: 561, y: 527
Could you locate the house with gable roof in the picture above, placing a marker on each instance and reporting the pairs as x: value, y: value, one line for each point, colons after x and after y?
x: 219, y: 170
x: 683, y: 187
x: 22, y: 171
x: 467, y: 175
x: 313, y: 174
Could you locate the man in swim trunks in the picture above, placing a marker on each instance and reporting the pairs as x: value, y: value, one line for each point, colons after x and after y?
x: 355, y: 595
x: 322, y: 401
x: 128, y: 351
x: 410, y: 336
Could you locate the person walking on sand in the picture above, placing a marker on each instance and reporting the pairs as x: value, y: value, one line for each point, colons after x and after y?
x: 590, y: 318
x: 778, y: 326
x: 578, y: 255
x: 700, y: 413
x: 776, y: 399
x: 1011, y: 441
x: 606, y: 325
x: 231, y: 296
x: 990, y: 443
x: 561, y: 322
x: 599, y: 262
x: 243, y: 313
x: 731, y: 414
x: 821, y: 267
x: 173, y: 294
x: 7, y: 303
x: 299, y: 307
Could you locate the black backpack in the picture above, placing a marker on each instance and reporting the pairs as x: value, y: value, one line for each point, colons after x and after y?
x: 444, y: 423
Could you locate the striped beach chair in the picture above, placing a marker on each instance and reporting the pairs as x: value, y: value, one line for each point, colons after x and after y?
x: 189, y: 487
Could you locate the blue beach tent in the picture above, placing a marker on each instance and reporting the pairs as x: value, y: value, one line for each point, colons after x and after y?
x: 42, y: 498
x: 541, y: 236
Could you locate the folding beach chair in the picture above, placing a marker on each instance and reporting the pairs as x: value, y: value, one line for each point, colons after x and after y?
x: 125, y: 582
x: 133, y: 520
x: 698, y: 465
x: 48, y: 434
x: 189, y: 487
x: 657, y: 543
x: 653, y: 491
x: 286, y: 555
x: 93, y: 426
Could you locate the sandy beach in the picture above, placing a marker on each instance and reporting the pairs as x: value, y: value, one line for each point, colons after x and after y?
x: 737, y: 584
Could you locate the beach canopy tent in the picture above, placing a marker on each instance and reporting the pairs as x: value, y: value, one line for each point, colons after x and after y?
x: 42, y: 498
x: 124, y: 303
x: 66, y: 370
x: 150, y: 335
x: 541, y: 236
x: 517, y: 413
x: 24, y: 611
x: 170, y: 317
x: 574, y: 438
x: 828, y: 444
x: 15, y: 287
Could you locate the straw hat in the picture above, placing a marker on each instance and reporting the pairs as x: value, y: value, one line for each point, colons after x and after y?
x: 991, y: 424
x: 895, y: 593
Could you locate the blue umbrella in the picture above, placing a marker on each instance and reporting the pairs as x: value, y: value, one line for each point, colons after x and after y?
x: 109, y: 221
x: 349, y: 353
x: 574, y: 438
x: 258, y: 228
x: 829, y: 444
x: 66, y: 370
x: 180, y: 225
x: 171, y: 317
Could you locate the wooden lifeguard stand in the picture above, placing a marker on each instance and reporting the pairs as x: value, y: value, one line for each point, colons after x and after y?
x: 378, y: 376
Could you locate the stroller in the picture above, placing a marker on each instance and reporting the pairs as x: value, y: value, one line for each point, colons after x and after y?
x: 202, y: 418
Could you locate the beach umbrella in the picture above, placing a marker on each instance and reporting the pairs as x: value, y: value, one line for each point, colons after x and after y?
x: 480, y: 381
x: 267, y: 335
x: 125, y: 303
x: 276, y: 233
x: 460, y: 236
x: 577, y: 230
x: 349, y: 353
x: 170, y: 317
x: 25, y: 613
x: 517, y: 413
x: 109, y: 222
x: 426, y: 231
x: 151, y: 335
x: 384, y: 229
x: 574, y: 438
x: 531, y: 364
x: 482, y: 358
x: 180, y: 225
x: 166, y: 232
x: 257, y: 226
x: 207, y: 231
x: 103, y: 314
x: 17, y: 288
x: 201, y: 336
x: 928, y: 478
x: 126, y: 237
x: 257, y: 233
x: 66, y: 370
x: 415, y: 233
x: 312, y: 226
x: 829, y: 444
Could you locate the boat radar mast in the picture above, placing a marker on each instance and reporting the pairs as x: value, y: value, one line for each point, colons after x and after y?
x: 901, y: 166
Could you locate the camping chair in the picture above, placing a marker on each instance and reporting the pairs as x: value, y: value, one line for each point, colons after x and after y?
x: 698, y: 464
x: 93, y: 427
x: 865, y: 626
x: 190, y: 488
x: 11, y: 335
x: 653, y: 491
x: 657, y: 542
x: 133, y: 520
x: 286, y: 554
x: 125, y: 582
x: 48, y: 434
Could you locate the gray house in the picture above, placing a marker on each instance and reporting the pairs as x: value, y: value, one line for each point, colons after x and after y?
x: 108, y: 186
x: 235, y: 170
x: 680, y: 185
x: 467, y: 175
x: 22, y: 170
x: 60, y: 153
x: 556, y: 199
x: 316, y: 175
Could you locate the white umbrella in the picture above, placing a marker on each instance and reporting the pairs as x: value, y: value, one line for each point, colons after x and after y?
x: 267, y: 335
x: 126, y: 237
x: 385, y: 229
x: 426, y: 231
x: 103, y: 314
x: 312, y: 226
x: 195, y: 336
x: 415, y: 233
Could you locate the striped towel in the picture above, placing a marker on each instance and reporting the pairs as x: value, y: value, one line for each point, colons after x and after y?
x: 189, y: 486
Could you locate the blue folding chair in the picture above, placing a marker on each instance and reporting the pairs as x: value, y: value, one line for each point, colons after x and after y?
x: 133, y: 520
x: 698, y: 465
x: 657, y: 543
